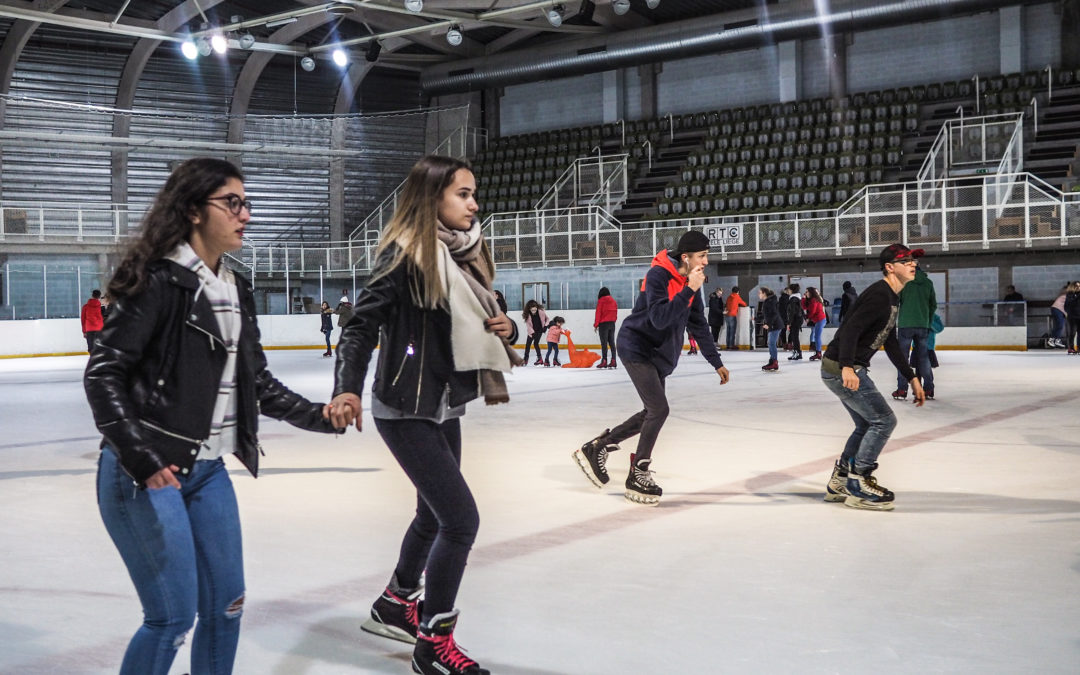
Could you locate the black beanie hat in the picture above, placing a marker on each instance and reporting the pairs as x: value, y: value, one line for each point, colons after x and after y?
x: 692, y: 242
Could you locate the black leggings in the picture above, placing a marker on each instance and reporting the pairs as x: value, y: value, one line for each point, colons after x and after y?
x: 442, y: 533
x: 1072, y: 327
x: 533, y: 341
x: 648, y: 422
x: 607, y: 338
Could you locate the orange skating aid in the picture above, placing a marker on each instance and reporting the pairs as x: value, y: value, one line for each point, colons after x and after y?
x: 579, y: 358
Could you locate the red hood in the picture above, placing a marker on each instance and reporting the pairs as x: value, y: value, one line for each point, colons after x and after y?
x: 677, y: 281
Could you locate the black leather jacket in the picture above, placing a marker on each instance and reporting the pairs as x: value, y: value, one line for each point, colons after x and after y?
x: 153, y: 377
x: 416, y: 361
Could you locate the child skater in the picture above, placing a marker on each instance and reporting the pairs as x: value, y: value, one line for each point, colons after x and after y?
x: 535, y: 322
x: 554, y: 334
x: 445, y: 342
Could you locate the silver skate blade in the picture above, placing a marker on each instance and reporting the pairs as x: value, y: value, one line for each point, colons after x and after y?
x: 583, y: 463
x: 382, y: 630
x: 856, y: 503
x: 643, y: 500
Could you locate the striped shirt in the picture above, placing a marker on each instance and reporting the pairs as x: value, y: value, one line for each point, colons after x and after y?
x: 220, y: 291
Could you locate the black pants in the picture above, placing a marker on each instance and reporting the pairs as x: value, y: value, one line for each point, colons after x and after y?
x: 607, y: 338
x: 648, y: 422
x: 442, y: 533
x: 1072, y: 327
x: 716, y: 328
x: 533, y: 341
x: 91, y: 339
x: 796, y: 340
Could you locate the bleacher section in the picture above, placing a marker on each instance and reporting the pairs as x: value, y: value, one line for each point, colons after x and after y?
x: 783, y: 156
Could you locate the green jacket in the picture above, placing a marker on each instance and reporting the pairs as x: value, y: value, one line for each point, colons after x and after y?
x: 918, y: 302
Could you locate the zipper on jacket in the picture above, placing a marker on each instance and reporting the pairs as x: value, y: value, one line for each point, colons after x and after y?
x: 420, y: 377
x: 207, y: 334
x: 409, y: 351
x: 171, y: 434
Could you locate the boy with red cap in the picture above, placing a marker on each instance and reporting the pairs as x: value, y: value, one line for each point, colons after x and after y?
x: 650, y: 342
x: 868, y: 325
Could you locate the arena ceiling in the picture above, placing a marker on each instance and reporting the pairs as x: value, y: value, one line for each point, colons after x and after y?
x: 406, y: 39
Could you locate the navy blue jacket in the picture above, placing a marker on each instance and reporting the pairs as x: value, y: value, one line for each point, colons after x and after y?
x: 664, y: 310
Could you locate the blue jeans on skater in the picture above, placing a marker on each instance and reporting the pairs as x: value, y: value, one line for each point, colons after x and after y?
x: 873, y: 417
x: 1058, y: 316
x: 182, y: 549
x: 441, y: 534
x: 815, y: 336
x: 731, y: 322
x: 774, y: 338
x: 916, y: 339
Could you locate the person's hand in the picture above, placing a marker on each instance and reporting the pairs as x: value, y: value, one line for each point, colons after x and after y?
x: 917, y: 390
x: 501, y: 325
x: 164, y: 478
x: 724, y: 374
x: 765, y: 326
x: 696, y: 278
x: 344, y: 409
x: 850, y: 379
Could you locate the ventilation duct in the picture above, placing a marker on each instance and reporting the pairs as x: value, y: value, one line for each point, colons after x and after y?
x: 684, y: 39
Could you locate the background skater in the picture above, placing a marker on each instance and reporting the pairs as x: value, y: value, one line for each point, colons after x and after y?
x: 650, y: 342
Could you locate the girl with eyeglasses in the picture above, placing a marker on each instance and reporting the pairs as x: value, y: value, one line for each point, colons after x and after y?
x: 175, y: 384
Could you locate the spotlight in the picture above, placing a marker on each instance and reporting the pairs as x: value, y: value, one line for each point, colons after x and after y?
x: 340, y: 58
x: 453, y: 36
x: 218, y: 43
x: 373, y: 49
x: 620, y: 7
x: 554, y: 15
x: 307, y: 63
x: 652, y: 4
x: 247, y: 41
x: 203, y: 46
x: 414, y: 5
x: 189, y: 50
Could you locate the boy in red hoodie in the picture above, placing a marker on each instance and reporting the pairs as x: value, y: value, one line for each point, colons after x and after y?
x: 650, y: 342
x: 92, y: 321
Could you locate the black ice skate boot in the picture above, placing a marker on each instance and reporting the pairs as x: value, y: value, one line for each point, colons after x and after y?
x: 436, y: 653
x: 865, y: 493
x: 592, y: 458
x: 836, y: 489
x: 396, y: 614
x: 640, y: 486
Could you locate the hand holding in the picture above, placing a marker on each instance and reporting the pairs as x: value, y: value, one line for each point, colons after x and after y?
x: 696, y: 278
x: 344, y: 409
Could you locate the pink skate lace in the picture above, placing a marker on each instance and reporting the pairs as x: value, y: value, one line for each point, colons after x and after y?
x: 448, y: 651
x: 411, y: 607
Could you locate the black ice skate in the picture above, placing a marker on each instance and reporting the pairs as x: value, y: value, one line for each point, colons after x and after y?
x: 396, y: 614
x: 865, y: 493
x: 592, y: 458
x: 436, y: 653
x: 836, y: 489
x: 640, y: 486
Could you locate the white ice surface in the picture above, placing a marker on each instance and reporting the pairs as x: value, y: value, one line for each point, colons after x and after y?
x: 741, y: 569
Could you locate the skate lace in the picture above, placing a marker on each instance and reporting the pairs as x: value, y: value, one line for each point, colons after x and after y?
x: 601, y: 458
x: 449, y: 652
x: 644, y: 476
x: 411, y: 613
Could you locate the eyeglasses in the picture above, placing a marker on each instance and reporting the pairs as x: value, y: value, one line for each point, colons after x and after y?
x: 905, y: 261
x: 233, y: 203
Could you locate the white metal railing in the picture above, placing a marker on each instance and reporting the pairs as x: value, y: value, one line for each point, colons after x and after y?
x: 462, y: 142
x: 589, y: 180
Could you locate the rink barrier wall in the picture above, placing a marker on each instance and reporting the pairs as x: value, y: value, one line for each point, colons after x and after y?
x: 63, y: 337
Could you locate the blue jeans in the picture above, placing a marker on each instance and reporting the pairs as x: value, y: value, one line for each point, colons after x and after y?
x: 874, y: 419
x: 1059, y: 323
x: 442, y: 533
x: 731, y: 322
x: 774, y: 337
x: 182, y: 549
x: 815, y: 336
x: 916, y: 338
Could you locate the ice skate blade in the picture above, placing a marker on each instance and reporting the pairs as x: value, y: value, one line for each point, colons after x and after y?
x: 640, y: 499
x: 583, y: 464
x: 382, y: 630
x: 835, y: 497
x: 857, y: 503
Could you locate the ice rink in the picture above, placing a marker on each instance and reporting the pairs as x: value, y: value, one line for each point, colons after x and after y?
x: 741, y: 569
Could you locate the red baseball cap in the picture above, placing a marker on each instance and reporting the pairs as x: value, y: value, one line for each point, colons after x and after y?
x: 897, y: 252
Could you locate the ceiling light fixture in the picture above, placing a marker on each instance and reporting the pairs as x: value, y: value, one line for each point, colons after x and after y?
x: 189, y: 50
x: 307, y: 63
x: 454, y: 36
x: 202, y: 45
x: 218, y: 43
x: 247, y: 41
x: 373, y: 49
x: 555, y: 14
x: 340, y: 58
x: 652, y: 4
x: 620, y: 7
x: 414, y: 5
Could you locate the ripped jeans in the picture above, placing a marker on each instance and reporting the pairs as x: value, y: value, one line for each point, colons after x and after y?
x: 183, y: 552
